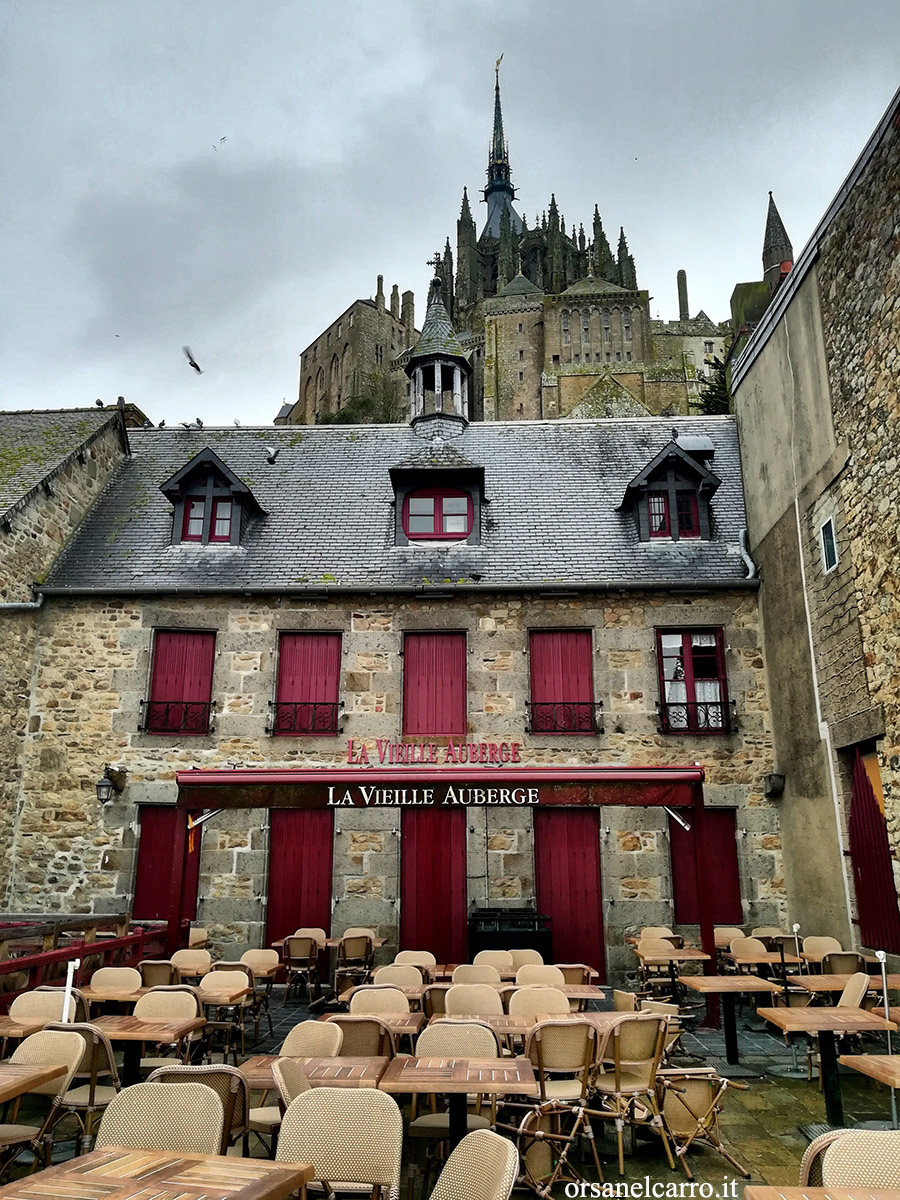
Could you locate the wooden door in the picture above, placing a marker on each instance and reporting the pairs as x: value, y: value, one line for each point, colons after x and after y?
x: 720, y: 874
x: 433, y: 904
x: 168, y: 868
x: 301, y: 846
x: 872, y: 865
x: 567, y: 883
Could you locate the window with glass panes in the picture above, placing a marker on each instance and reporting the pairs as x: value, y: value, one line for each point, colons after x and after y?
x: 194, y: 512
x: 220, y: 531
x: 693, y: 691
x: 443, y: 513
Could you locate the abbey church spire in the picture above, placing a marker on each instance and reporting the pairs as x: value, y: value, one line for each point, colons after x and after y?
x: 778, y: 254
x: 499, y: 193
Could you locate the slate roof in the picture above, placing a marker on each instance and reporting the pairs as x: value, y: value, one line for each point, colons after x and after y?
x: 520, y: 286
x: 438, y: 337
x: 34, y: 445
x: 551, y: 488
x: 592, y: 285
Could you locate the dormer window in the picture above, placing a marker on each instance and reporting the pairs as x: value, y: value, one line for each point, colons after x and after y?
x: 670, y: 497
x: 687, y: 512
x: 438, y: 513
x: 211, y: 505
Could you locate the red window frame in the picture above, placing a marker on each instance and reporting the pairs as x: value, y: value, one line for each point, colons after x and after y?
x: 688, y: 513
x: 215, y: 518
x: 438, y: 495
x: 189, y: 501
x: 690, y: 716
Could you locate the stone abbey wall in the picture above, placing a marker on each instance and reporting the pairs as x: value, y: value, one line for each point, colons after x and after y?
x: 93, y: 670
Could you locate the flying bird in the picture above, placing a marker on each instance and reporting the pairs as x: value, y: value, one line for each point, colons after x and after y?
x: 272, y: 454
x: 193, y: 362
x: 222, y: 139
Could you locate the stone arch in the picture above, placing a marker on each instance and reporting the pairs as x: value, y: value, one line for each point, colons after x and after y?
x: 346, y: 381
x: 321, y: 398
x: 309, y: 400
x: 334, y: 384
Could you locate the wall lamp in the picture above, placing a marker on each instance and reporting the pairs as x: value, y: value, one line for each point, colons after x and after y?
x: 112, y: 780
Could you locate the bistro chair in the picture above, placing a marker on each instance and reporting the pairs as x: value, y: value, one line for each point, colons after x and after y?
x: 313, y: 1039
x: 363, y: 1037
x: 631, y: 1055
x: 254, y: 1004
x: 41, y: 1004
x: 473, y: 1000
x: 534, y: 1002
x: 416, y: 958
x: 228, y: 1018
x: 290, y: 1079
x: 172, y: 1003
x: 158, y: 972
x: 301, y: 962
x: 359, y: 931
x: 398, y: 974
x: 855, y: 991
x: 48, y: 1047
x: 198, y: 937
x: 863, y: 1158
x: 434, y: 1000
x: 767, y: 931
x: 119, y: 979
x: 540, y: 975
x: 691, y: 1103
x: 186, y: 1118
x: 818, y: 947
x: 349, y: 1135
x: 747, y: 947
x: 654, y: 975
x: 521, y: 957
x: 313, y: 931
x: 447, y: 1039
x: 662, y: 931
x: 378, y: 1000
x: 563, y: 1054
x: 258, y: 961
x: 82, y: 1008
x: 624, y: 1001
x: 576, y: 975
x: 501, y: 960
x: 192, y: 964
x: 229, y: 1085
x: 483, y: 1165
x: 85, y: 1100
x: 672, y: 1014
x: 476, y: 973
x: 811, y: 1163
x: 355, y: 959
x: 843, y: 962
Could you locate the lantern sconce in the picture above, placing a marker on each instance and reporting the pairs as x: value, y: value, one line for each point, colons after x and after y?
x: 112, y: 780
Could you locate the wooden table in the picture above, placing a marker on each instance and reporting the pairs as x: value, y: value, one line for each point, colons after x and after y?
x: 455, y: 1078
x: 116, y: 1173
x: 883, y: 1067
x: 837, y: 983
x: 134, y: 1031
x: 222, y: 997
x: 759, y: 1192
x: 400, y: 1023
x: 769, y: 958
x: 505, y: 1026
x: 826, y: 1022
x: 101, y: 995
x: 445, y: 971
x: 18, y: 1078
x: 572, y: 991
x: 338, y: 1071
x: 728, y: 986
x: 23, y: 1027
x: 685, y: 954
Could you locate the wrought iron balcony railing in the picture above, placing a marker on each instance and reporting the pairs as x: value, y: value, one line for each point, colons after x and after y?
x: 193, y: 718
x: 702, y: 717
x: 564, y: 716
x: 304, y: 718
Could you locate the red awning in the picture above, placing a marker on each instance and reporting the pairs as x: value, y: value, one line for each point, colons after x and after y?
x: 317, y: 787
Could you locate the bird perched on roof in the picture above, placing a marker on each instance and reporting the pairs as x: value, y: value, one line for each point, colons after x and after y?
x: 193, y: 362
x: 99, y: 403
x: 272, y: 454
x: 198, y: 422
x: 237, y: 423
x: 187, y: 424
x: 161, y: 425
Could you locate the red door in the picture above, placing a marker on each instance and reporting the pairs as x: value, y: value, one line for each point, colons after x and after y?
x: 567, y: 883
x: 870, y: 859
x: 433, y: 906
x: 721, y: 877
x: 168, y: 868
x: 300, y: 861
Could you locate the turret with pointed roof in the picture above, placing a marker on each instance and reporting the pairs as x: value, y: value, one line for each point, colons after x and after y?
x: 438, y: 367
x: 778, y: 254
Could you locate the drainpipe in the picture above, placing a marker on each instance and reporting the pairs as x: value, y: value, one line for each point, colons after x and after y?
x: 23, y: 605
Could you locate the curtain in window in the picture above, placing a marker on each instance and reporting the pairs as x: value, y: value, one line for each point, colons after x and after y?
x: 707, y: 688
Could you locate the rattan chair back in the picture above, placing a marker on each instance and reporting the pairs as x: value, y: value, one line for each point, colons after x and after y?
x: 312, y: 931
x: 313, y: 1039
x: 575, y: 973
x: 656, y: 931
x: 185, y: 1118
x: 357, y: 948
x: 767, y: 931
x: 120, y: 979
x: 624, y: 1001
x: 415, y: 958
x: 525, y: 956
x: 473, y: 1000
x: 863, y: 1158
x: 218, y: 981
x: 854, y: 990
x: 747, y: 947
x: 398, y: 974
x: 725, y: 933
x: 535, y: 1002
x: 634, y: 1045
x: 229, y: 1085
x: 369, y: 1000
x: 363, y: 1037
x: 434, y: 1001
x: 569, y: 1046
x: 192, y: 962
x: 260, y: 959
x: 42, y: 1004
x: 158, y: 972
x: 847, y: 962
x: 301, y: 951
x: 457, y: 1039
x: 811, y: 1163
x: 651, y: 946
x: 540, y: 975
x: 476, y: 973
x: 290, y: 1079
x: 821, y: 945
x: 197, y: 936
x: 51, y: 1047
x: 98, y: 1059
x: 167, y: 1004
x: 483, y: 1166
x: 502, y: 960
x: 354, y: 1135
x: 359, y: 931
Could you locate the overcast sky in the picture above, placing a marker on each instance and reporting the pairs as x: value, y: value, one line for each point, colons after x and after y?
x: 233, y: 174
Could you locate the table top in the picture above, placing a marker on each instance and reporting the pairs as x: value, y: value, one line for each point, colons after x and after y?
x: 728, y: 983
x: 147, y: 1029
x: 758, y: 1192
x: 883, y: 1067
x: 505, y: 1024
x: 22, y: 1027
x: 770, y: 956
x: 210, y: 994
x: 485, y: 1076
x: 445, y: 970
x: 837, y: 983
x: 337, y: 1071
x: 97, y: 995
x: 18, y: 1078
x: 814, y: 1020
x: 398, y: 1022
x: 808, y: 956
x: 685, y: 954
x: 117, y: 1173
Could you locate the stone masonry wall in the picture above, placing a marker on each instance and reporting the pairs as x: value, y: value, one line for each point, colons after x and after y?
x: 35, y: 534
x: 93, y: 667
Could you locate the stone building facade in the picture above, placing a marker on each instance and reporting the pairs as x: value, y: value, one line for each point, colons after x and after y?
x: 816, y: 397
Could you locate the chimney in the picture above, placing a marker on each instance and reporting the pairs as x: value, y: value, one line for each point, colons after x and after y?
x: 684, y: 313
x: 408, y: 317
x: 395, y: 302
x: 379, y: 294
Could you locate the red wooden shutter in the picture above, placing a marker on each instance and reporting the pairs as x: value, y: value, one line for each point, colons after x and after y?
x: 721, y: 876
x: 309, y: 673
x: 562, y: 681
x: 434, y: 683
x: 870, y: 859
x: 301, y: 846
x: 433, y: 904
x: 167, y: 875
x: 182, y: 672
x: 567, y: 883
